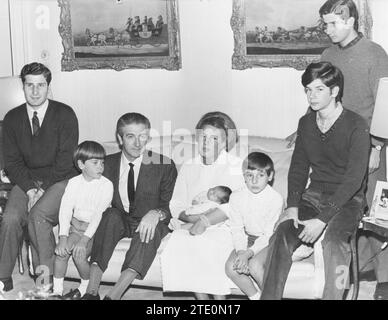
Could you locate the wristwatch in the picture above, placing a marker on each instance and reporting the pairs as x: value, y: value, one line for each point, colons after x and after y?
x: 378, y: 148
x: 162, y: 214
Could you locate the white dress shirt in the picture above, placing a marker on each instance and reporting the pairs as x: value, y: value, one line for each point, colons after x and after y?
x: 254, y: 213
x: 85, y: 201
x: 41, y: 112
x: 123, y: 180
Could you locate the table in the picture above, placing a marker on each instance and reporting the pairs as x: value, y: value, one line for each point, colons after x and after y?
x: 377, y: 226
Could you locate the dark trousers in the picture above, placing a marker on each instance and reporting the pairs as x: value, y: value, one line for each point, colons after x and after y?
x: 11, y: 230
x: 16, y: 218
x: 41, y: 220
x: 335, y: 244
x: 116, y: 225
x: 369, y: 244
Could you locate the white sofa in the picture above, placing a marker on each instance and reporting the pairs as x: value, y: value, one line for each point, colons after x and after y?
x: 306, y: 277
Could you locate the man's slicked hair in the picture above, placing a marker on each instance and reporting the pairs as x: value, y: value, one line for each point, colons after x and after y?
x: 336, y: 7
x: 129, y: 118
x: 35, y: 68
x: 329, y: 74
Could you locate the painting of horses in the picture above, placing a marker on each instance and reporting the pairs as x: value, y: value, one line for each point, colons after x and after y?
x: 282, y: 32
x: 123, y: 34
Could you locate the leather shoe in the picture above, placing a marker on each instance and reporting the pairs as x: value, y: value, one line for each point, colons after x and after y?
x: 88, y: 296
x: 7, y: 284
x: 72, y: 295
x: 381, y: 292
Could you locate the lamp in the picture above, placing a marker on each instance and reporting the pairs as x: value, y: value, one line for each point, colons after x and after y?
x: 379, y: 125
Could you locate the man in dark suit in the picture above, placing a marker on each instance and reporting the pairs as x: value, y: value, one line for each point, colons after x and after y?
x: 143, y: 185
x: 39, y: 138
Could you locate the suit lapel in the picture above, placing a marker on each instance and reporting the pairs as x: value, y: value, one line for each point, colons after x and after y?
x: 145, y: 175
x: 115, y: 179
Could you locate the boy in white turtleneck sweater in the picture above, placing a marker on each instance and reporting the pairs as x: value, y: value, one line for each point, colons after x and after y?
x: 253, y: 211
x: 86, y: 197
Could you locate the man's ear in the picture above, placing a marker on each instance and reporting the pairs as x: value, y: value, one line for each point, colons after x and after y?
x: 350, y: 23
x: 334, y: 91
x: 270, y: 177
x: 119, y: 139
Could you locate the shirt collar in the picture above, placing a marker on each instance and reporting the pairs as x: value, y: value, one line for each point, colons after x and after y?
x: 353, y: 42
x: 41, y: 110
x: 137, y: 162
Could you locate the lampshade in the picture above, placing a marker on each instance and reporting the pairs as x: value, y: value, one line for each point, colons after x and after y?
x: 379, y: 125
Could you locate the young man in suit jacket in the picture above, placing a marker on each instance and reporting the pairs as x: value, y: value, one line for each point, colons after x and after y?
x: 39, y: 138
x: 143, y: 185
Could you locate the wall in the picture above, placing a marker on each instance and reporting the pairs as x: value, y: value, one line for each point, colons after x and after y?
x: 266, y: 101
x: 5, y: 52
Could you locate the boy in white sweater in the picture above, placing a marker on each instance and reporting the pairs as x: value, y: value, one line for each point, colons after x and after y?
x: 253, y: 211
x: 85, y: 199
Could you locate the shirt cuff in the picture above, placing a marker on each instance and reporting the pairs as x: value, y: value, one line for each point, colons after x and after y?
x: 293, y: 199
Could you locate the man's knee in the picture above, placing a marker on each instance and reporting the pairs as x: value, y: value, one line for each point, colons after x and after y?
x: 12, y: 218
x: 256, y: 268
x: 79, y: 260
x: 335, y: 237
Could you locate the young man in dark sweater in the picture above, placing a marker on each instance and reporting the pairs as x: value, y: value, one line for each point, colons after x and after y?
x: 363, y: 63
x: 334, y: 143
x: 39, y: 138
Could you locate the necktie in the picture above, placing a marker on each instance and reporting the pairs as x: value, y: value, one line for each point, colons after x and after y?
x: 35, y: 124
x: 131, y: 184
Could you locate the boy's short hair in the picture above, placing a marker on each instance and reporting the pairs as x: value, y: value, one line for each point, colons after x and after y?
x: 88, y: 150
x: 226, y: 194
x: 329, y: 74
x: 35, y: 68
x: 129, y: 118
x: 337, y: 7
x: 258, y: 160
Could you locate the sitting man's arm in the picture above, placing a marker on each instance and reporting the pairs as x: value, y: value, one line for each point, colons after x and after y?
x: 149, y: 222
x: 67, y: 143
x: 15, y: 166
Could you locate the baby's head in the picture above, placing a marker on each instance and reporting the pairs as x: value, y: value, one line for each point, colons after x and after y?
x: 89, y: 158
x: 258, y: 171
x: 219, y: 194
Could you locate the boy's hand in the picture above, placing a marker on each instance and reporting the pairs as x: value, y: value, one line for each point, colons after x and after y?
x: 60, y: 249
x: 288, y: 214
x: 79, y: 250
x: 241, y: 262
x: 313, y: 228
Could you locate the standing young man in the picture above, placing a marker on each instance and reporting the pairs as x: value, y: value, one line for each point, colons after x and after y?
x: 39, y: 139
x: 363, y: 63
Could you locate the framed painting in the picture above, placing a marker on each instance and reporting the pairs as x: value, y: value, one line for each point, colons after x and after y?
x: 379, y: 208
x: 283, y: 33
x: 119, y: 34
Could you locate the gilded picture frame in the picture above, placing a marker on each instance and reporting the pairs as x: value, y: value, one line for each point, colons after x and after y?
x: 283, y: 33
x: 120, y: 34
